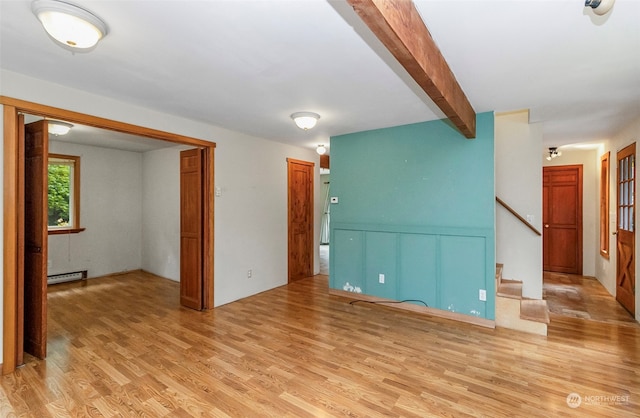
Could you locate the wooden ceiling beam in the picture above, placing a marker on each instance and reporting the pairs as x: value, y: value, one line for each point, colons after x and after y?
x: 399, y: 26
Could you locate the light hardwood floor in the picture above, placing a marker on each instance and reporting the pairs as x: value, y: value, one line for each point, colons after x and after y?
x: 582, y: 297
x: 122, y: 346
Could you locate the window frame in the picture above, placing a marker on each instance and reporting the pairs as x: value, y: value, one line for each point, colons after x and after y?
x: 604, y: 205
x: 74, y: 228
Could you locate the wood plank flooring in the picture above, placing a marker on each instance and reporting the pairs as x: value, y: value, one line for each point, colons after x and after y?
x: 582, y: 297
x: 122, y: 346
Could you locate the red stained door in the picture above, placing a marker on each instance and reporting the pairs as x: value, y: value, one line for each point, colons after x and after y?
x: 626, y: 267
x: 562, y: 219
x: 300, y: 198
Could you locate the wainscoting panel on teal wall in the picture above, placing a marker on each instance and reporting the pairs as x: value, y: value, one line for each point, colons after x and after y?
x: 348, y: 258
x: 418, y: 268
x: 380, y: 259
x: 462, y: 262
x: 416, y: 203
x: 437, y: 267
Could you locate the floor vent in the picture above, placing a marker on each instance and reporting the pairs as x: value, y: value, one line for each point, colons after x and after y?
x: 67, y: 277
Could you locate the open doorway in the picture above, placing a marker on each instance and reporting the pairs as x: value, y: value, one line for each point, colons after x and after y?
x: 583, y: 293
x: 14, y: 195
x: 325, y: 222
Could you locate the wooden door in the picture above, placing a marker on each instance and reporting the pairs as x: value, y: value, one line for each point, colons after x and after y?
x: 625, y: 242
x: 36, y: 147
x: 300, y: 208
x: 562, y: 219
x: 191, y: 228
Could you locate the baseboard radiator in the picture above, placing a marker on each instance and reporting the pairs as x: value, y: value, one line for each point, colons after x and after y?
x: 67, y: 277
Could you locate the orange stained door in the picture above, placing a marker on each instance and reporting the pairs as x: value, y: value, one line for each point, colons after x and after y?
x: 300, y: 208
x: 562, y: 219
x: 36, y: 145
x: 625, y: 234
x: 191, y: 229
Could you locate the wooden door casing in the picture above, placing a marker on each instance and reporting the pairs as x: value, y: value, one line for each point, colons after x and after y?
x: 562, y: 219
x: 625, y: 234
x: 300, y: 219
x: 13, y: 206
x: 19, y: 353
x: 35, y: 238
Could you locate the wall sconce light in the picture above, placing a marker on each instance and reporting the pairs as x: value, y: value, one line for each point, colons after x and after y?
x: 71, y: 26
x: 553, y: 153
x: 305, y: 120
x: 600, y: 7
x: 321, y: 149
x: 56, y: 127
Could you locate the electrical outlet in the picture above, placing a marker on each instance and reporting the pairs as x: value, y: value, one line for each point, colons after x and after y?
x: 249, y: 274
x: 381, y: 278
x: 482, y: 295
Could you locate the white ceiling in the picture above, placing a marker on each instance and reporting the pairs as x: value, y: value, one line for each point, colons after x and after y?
x: 247, y: 65
x: 96, y: 137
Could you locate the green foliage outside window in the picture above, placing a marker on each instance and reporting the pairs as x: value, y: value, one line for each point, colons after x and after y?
x: 59, y: 194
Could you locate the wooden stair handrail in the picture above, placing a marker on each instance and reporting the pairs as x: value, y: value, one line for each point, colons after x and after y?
x: 517, y: 215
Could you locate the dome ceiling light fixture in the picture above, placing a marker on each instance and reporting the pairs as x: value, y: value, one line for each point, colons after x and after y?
x: 305, y: 120
x: 56, y: 127
x: 600, y: 7
x: 70, y: 26
x: 321, y: 149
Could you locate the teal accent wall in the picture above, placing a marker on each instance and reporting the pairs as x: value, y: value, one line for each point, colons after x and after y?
x: 416, y: 203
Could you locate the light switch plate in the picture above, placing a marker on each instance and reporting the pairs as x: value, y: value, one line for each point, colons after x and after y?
x: 334, y: 199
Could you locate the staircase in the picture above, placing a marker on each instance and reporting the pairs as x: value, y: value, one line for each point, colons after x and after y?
x: 515, y: 312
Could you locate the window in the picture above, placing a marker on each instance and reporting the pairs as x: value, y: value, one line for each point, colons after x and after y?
x: 64, y: 194
x: 604, y: 205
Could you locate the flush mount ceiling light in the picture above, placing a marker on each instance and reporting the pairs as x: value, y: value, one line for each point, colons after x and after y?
x: 553, y: 153
x: 321, y: 149
x: 56, y: 127
x: 71, y: 26
x: 305, y: 120
x: 600, y: 7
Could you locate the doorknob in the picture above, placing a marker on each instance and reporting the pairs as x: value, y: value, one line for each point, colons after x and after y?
x: 614, y: 233
x: 546, y: 225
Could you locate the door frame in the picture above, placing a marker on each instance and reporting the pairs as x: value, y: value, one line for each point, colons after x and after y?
x: 14, y: 207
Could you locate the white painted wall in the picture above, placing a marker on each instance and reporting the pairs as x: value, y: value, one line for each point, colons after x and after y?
x: 251, y: 215
x: 590, y: 161
x: 253, y: 204
x: 161, y: 212
x: 606, y: 269
x: 519, y: 183
x: 110, y: 210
